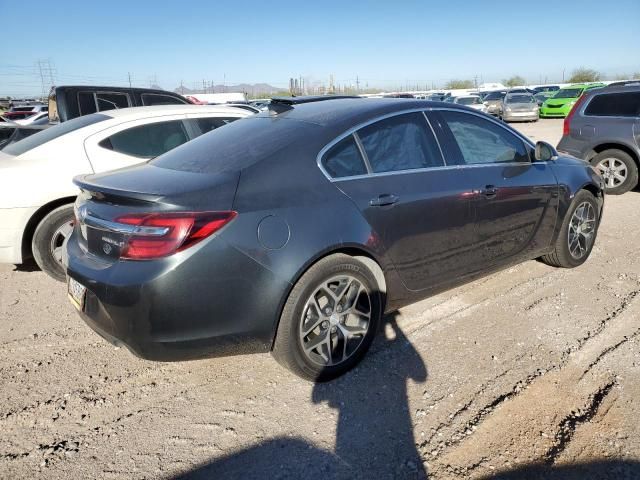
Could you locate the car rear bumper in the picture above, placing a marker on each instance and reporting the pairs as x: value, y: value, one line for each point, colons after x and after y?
x: 13, y: 222
x: 182, y: 307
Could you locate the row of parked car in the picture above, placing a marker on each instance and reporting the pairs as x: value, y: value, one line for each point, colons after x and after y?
x: 294, y: 229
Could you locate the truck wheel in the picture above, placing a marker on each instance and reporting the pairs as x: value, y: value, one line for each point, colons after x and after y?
x: 48, y: 238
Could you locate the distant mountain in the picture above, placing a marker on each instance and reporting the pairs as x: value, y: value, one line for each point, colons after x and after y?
x: 255, y: 89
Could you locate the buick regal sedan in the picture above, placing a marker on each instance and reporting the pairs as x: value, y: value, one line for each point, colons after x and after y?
x: 295, y: 230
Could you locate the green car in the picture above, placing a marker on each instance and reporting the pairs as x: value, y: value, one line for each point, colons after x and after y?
x: 561, y: 103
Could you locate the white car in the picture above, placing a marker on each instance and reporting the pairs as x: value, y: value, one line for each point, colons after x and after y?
x: 36, y: 189
x: 41, y: 118
x: 473, y: 101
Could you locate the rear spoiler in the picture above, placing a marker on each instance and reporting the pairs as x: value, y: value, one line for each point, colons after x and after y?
x: 101, y: 192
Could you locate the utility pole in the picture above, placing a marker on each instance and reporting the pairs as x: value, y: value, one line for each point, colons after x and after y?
x: 129, y: 76
x: 357, y: 84
x: 181, y: 88
x: 475, y: 81
x: 563, y: 75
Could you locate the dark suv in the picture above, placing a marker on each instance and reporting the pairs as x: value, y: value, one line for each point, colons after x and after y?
x: 604, y: 128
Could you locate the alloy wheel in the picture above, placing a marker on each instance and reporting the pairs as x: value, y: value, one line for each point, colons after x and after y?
x: 335, y: 320
x: 613, y: 171
x: 58, y: 238
x: 582, y: 229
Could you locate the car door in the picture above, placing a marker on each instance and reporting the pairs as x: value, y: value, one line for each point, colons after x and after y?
x: 418, y: 206
x: 135, y: 142
x: 516, y: 199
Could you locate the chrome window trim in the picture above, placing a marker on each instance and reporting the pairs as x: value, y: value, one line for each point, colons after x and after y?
x: 353, y: 131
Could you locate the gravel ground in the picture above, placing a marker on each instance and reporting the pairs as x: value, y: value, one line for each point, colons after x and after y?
x: 533, y: 372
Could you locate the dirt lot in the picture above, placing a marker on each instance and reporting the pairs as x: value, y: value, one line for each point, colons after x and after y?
x: 531, y: 372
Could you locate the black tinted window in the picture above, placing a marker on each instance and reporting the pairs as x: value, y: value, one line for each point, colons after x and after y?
x: 625, y: 104
x: 87, y: 103
x: 403, y: 142
x: 158, y: 99
x: 207, y: 124
x: 344, y: 159
x: 147, y: 141
x: 111, y: 101
x: 482, y: 141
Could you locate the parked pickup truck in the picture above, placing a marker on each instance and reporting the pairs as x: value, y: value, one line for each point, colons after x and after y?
x: 67, y: 102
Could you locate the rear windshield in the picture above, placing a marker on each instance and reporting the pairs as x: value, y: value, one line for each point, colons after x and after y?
x: 568, y: 93
x: 494, y: 96
x: 233, y: 147
x: 52, y: 133
x: 468, y: 100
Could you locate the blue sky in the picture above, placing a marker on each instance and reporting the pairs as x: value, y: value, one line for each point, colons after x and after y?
x: 384, y: 44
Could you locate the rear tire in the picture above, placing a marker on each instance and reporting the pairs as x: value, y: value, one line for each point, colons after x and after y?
x: 336, y: 306
x: 611, y: 162
x: 577, y: 237
x: 47, y: 241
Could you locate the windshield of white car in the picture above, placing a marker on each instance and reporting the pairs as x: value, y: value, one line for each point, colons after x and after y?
x: 52, y: 133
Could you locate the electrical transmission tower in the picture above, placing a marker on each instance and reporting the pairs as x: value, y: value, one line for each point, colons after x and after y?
x: 47, y: 74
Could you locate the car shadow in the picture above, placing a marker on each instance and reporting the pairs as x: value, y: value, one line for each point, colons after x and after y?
x: 374, y: 431
x: 28, y: 265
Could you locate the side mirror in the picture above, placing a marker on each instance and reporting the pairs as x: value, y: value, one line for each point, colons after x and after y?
x: 545, y: 152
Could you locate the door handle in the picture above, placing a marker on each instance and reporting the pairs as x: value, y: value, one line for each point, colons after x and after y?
x: 384, y: 199
x: 490, y: 191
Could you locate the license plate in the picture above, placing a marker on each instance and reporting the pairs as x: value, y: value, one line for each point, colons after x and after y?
x: 77, y: 293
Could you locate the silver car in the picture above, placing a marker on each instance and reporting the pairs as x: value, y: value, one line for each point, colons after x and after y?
x: 519, y: 107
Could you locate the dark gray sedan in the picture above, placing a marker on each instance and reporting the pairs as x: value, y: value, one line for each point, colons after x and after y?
x: 294, y: 231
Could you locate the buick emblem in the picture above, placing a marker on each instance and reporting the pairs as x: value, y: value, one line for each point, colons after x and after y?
x: 106, y: 248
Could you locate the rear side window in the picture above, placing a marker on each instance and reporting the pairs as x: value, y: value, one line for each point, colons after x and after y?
x: 482, y: 141
x: 624, y: 104
x: 147, y: 141
x: 402, y: 142
x: 91, y: 102
x: 344, y: 159
x: 159, y: 99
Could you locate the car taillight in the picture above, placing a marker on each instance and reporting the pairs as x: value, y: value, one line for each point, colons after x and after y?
x: 566, y: 126
x: 161, y: 234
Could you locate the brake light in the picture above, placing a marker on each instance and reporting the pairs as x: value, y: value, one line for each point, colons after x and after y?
x: 566, y: 125
x: 161, y: 234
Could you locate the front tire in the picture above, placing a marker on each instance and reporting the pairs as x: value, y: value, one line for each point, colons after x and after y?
x: 618, y: 169
x: 577, y: 234
x: 329, y: 320
x: 48, y: 238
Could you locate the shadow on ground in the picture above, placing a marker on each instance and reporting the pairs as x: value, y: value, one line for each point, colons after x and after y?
x: 595, y: 470
x: 374, y: 432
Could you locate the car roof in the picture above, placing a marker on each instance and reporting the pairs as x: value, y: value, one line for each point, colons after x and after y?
x: 339, y: 115
x: 160, y: 110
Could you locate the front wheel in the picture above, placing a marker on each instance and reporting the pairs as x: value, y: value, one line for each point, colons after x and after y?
x: 329, y: 320
x: 577, y: 234
x: 48, y: 238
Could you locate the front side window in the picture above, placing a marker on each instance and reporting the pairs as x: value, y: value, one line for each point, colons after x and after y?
x: 344, y: 159
x: 147, y: 141
x: 625, y: 104
x: 402, y: 142
x: 482, y: 141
